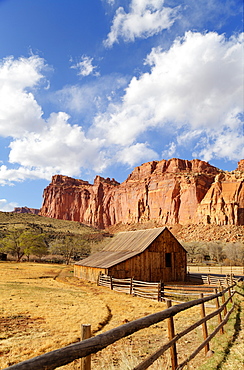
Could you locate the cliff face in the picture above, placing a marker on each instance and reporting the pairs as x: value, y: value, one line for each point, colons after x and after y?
x: 170, y: 192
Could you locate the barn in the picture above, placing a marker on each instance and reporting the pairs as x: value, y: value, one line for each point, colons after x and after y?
x: 146, y: 255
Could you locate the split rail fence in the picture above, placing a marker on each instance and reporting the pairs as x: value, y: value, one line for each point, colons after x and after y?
x: 163, y: 292
x: 86, y: 347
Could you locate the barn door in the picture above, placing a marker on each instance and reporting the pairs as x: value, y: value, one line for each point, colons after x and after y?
x: 170, y: 266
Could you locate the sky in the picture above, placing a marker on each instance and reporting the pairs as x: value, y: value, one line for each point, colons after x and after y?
x: 98, y: 87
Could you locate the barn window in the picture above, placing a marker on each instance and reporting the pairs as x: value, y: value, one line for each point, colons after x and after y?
x: 168, y: 262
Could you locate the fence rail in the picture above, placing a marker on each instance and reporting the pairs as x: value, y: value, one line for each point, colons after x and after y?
x: 211, y: 279
x: 63, y: 356
x: 160, y: 291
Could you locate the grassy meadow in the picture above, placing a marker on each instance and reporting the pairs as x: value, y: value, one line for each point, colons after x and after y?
x: 42, y: 307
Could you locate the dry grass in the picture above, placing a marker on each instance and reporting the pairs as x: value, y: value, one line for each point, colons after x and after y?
x: 43, y: 306
x: 236, y: 270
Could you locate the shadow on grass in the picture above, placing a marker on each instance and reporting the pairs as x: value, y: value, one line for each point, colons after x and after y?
x: 237, y: 328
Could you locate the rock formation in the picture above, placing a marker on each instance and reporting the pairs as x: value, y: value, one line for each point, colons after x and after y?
x: 33, y: 211
x: 168, y: 191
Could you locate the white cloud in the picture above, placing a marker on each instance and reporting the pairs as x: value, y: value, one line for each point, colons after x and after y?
x: 91, y: 97
x: 60, y: 147
x: 7, y: 207
x: 85, y: 67
x: 136, y: 153
x: 170, y: 151
x: 144, y: 19
x: 39, y: 147
x: 193, y: 90
x: 228, y: 144
x: 196, y: 85
x: 19, y: 111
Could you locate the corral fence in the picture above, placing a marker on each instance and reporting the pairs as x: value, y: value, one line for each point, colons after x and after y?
x: 86, y: 347
x: 163, y: 292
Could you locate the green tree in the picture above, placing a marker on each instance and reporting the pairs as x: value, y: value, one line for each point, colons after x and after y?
x: 33, y: 244
x: 11, y: 244
x: 20, y: 242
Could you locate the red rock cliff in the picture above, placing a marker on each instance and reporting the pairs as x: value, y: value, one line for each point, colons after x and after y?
x: 169, y: 191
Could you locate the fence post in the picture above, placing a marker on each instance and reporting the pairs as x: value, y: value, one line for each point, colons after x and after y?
x: 217, y: 306
x: 85, y: 363
x: 223, y: 301
x: 204, y: 325
x: 162, y: 291
x: 111, y: 283
x: 229, y: 291
x: 131, y: 285
x: 208, y: 277
x: 98, y: 278
x: 171, y: 334
x: 159, y: 291
x: 227, y: 279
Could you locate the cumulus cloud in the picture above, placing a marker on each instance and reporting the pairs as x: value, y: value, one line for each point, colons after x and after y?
x: 60, y: 147
x: 39, y: 147
x: 7, y: 207
x: 196, y: 85
x: 136, y: 153
x: 144, y: 19
x: 17, y: 78
x: 85, y: 67
x: 193, y: 91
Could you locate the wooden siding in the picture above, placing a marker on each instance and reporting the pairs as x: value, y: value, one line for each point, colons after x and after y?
x: 151, y: 264
x: 88, y: 273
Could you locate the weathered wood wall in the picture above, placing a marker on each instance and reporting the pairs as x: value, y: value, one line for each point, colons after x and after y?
x: 151, y: 264
x: 88, y: 273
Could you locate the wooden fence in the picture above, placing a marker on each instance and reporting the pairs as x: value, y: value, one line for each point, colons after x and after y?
x: 163, y: 292
x: 63, y: 356
x: 212, y: 279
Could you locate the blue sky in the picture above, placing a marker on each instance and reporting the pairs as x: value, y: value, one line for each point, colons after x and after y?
x: 93, y: 87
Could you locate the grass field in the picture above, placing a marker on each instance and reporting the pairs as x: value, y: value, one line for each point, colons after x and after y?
x: 43, y: 306
x: 236, y: 270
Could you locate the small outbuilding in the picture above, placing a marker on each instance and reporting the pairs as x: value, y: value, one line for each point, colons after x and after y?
x: 146, y: 255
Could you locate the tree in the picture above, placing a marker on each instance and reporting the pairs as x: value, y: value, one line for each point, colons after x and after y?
x: 235, y: 253
x: 20, y: 242
x: 216, y: 252
x: 33, y: 244
x: 69, y: 246
x: 12, y: 244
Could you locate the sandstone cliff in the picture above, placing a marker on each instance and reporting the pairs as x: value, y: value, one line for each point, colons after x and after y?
x: 171, y: 191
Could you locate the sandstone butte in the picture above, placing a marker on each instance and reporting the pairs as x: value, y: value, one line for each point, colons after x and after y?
x: 170, y: 192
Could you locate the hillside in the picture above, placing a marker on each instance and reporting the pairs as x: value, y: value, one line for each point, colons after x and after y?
x: 9, y: 220
x: 191, y: 232
x: 66, y: 238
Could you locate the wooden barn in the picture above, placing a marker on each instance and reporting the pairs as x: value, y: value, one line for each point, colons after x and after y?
x: 146, y: 255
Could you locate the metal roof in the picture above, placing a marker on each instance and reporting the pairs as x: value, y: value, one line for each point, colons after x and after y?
x: 122, y: 247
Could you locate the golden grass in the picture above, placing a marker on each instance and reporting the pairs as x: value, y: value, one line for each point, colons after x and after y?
x: 43, y: 306
x: 236, y: 270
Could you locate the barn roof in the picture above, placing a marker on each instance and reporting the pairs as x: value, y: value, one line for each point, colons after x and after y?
x: 122, y: 247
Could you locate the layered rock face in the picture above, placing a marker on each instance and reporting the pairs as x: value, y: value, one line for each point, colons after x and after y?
x: 168, y: 191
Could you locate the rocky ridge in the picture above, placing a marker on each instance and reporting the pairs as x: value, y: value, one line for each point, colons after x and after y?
x: 33, y: 211
x: 167, y: 192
